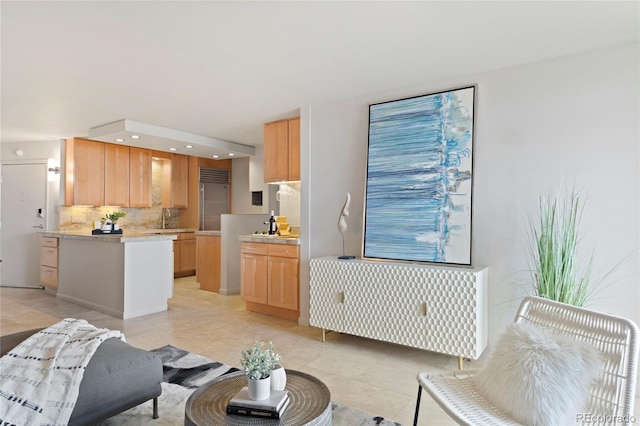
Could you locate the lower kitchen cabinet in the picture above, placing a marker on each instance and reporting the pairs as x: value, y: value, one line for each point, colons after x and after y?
x: 253, y: 272
x: 269, y: 278
x: 184, y: 255
x: 208, y: 262
x: 49, y: 262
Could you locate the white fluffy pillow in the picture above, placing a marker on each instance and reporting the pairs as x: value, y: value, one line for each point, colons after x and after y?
x: 538, y: 377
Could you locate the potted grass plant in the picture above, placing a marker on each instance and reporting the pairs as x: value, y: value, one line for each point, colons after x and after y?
x: 110, y: 220
x: 257, y: 364
x: 553, y: 242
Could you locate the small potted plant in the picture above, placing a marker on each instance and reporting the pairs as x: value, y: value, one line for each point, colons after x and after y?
x: 112, y: 219
x: 257, y: 364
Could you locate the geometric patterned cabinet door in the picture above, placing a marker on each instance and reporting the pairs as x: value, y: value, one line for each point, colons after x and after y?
x: 439, y: 309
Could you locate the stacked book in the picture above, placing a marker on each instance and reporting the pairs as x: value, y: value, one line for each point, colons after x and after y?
x: 270, y: 408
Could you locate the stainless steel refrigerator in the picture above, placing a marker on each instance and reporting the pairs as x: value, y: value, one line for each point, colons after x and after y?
x: 214, y: 197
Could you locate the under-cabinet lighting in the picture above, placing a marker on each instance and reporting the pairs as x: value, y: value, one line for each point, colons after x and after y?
x: 119, y: 140
x: 215, y: 156
x: 188, y: 146
x: 172, y: 149
x: 135, y: 137
x: 231, y: 154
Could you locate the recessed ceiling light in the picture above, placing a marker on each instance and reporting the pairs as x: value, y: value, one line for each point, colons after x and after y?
x: 188, y: 146
x: 215, y: 156
x: 172, y: 149
x: 119, y: 140
x: 231, y: 154
x: 135, y: 137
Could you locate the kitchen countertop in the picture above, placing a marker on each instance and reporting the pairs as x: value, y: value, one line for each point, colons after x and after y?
x: 125, y: 237
x: 271, y: 239
x: 165, y: 231
x: 209, y: 232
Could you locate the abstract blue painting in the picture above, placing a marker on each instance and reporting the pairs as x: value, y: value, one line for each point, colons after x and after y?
x: 419, y: 178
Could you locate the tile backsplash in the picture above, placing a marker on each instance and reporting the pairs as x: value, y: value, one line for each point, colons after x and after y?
x: 289, y: 199
x: 81, y: 218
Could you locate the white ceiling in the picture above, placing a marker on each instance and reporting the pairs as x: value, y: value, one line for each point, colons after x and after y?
x: 222, y: 69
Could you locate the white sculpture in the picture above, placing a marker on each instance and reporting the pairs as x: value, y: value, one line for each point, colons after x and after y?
x: 342, y: 225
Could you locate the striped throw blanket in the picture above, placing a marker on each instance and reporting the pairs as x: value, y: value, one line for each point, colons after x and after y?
x: 40, y: 378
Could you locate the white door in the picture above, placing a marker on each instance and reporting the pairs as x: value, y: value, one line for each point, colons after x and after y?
x: 24, y: 204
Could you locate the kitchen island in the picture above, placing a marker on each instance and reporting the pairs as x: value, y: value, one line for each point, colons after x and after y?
x: 124, y: 275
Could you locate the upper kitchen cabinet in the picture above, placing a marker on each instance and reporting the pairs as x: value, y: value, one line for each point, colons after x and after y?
x: 140, y: 181
x: 175, y: 185
x: 84, y: 172
x: 116, y: 175
x: 105, y: 174
x: 294, y: 149
x: 282, y: 151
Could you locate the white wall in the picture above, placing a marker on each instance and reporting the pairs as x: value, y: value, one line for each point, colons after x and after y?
x: 574, y: 118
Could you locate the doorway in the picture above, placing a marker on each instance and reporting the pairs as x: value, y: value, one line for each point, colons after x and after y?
x: 24, y: 207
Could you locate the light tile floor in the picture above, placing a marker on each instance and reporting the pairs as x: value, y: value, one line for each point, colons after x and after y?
x: 372, y: 376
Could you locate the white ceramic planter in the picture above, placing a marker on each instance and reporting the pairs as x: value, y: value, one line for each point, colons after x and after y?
x: 259, y: 389
x: 278, y: 378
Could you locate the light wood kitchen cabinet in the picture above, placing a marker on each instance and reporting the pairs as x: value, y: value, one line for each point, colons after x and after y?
x: 184, y: 255
x: 175, y: 182
x: 176, y: 258
x: 140, y: 177
x: 49, y: 262
x: 105, y: 174
x: 283, y: 276
x: 188, y: 253
x: 253, y: 272
x: 116, y: 175
x: 294, y: 149
x: 269, y: 278
x: 208, y: 267
x: 282, y: 151
x: 84, y: 172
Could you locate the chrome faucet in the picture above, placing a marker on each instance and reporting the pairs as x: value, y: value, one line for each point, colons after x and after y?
x: 164, y: 223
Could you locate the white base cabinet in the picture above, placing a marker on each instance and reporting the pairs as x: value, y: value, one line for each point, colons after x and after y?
x: 439, y: 309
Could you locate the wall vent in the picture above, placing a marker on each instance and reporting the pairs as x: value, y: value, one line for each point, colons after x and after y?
x: 208, y: 175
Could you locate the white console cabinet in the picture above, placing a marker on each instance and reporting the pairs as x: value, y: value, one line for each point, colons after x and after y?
x: 439, y: 309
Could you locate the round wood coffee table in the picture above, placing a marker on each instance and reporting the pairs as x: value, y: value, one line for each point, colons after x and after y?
x: 310, y: 402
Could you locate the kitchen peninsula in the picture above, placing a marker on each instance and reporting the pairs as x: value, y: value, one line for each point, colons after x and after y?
x: 126, y: 275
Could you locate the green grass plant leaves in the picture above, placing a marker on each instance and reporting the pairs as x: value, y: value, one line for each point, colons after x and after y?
x: 553, y: 246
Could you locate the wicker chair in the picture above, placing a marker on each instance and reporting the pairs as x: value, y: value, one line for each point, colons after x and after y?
x: 613, y: 395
